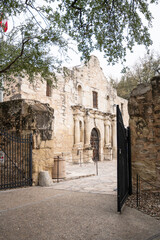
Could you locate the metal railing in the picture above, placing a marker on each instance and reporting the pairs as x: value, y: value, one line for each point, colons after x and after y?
x: 146, y: 196
x: 15, y: 160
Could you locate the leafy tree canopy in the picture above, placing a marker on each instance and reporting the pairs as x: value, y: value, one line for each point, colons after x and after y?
x: 142, y: 72
x: 110, y: 26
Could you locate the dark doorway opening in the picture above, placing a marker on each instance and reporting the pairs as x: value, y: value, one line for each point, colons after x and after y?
x: 95, y: 144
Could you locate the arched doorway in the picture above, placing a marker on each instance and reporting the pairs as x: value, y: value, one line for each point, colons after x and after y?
x: 95, y: 144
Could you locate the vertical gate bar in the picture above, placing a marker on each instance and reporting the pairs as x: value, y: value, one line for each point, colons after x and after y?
x: 30, y: 160
x: 22, y: 151
x: 6, y: 158
x: 129, y: 161
x: 19, y: 171
x: 25, y: 162
x: 27, y: 168
x: 28, y: 150
x: 13, y: 151
x: 4, y: 172
x: 9, y: 157
x: 1, y: 164
x: 137, y: 190
x: 1, y: 183
x: 26, y: 180
x: 23, y: 157
x: 16, y: 167
x: 12, y: 160
x: 19, y: 158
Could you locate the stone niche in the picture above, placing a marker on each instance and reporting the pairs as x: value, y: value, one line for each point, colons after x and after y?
x: 144, y: 111
x: 28, y: 116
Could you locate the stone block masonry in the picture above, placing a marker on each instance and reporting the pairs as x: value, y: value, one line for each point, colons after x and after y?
x: 83, y: 102
x: 144, y: 111
x: 29, y: 116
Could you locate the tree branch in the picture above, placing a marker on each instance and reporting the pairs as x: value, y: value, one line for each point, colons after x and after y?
x: 38, y: 11
x: 80, y: 11
x: 73, y: 5
x: 20, y: 55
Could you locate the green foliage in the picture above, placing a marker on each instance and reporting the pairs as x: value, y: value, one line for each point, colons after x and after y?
x: 142, y: 72
x: 110, y: 26
x: 26, y: 49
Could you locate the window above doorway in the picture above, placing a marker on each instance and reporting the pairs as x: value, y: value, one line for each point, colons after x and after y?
x: 48, y: 89
x: 95, y: 99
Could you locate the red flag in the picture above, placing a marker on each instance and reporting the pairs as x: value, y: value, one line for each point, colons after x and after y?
x: 4, y: 24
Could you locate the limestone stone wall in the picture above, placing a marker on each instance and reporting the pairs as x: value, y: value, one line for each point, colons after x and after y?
x: 74, y: 90
x: 144, y: 111
x: 27, y: 116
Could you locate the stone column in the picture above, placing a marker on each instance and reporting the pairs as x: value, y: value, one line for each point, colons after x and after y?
x: 114, y: 138
x: 107, y: 141
x: 107, y: 133
x: 87, y: 132
x: 76, y: 131
x: 88, y: 152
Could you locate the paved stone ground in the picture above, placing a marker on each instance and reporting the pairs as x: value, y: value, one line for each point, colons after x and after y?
x: 105, y: 182
x: 82, y: 209
x: 39, y: 213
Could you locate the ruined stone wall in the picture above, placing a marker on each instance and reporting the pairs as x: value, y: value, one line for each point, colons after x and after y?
x: 144, y: 111
x: 27, y: 116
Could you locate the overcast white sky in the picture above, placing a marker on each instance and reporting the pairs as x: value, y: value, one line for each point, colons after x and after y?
x: 138, y: 51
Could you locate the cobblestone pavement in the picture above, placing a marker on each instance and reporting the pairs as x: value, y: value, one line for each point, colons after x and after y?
x: 84, y: 178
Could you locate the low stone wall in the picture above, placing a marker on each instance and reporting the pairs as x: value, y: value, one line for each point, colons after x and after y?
x: 144, y: 111
x: 28, y: 116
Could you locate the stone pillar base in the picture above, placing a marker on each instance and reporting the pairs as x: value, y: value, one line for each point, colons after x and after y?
x: 45, y: 179
x: 114, y: 153
x: 77, y: 155
x: 87, y: 154
x: 107, y: 153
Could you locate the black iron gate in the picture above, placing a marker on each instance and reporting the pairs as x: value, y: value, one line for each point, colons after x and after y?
x: 15, y: 160
x: 124, y: 184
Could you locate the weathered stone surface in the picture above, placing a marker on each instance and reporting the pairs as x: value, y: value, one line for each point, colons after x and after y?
x: 144, y: 111
x: 30, y: 116
x: 44, y: 179
x: 72, y: 100
x: 142, y: 89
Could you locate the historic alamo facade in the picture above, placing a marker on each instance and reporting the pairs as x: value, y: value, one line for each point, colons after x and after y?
x: 84, y: 111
